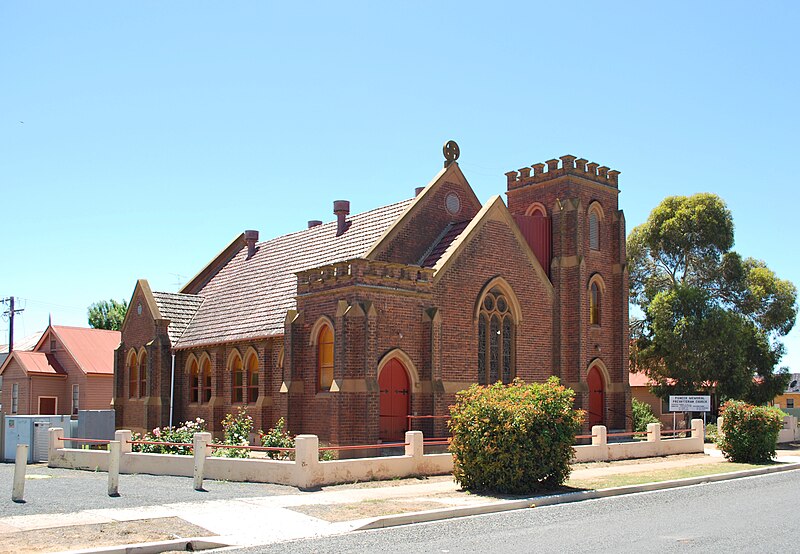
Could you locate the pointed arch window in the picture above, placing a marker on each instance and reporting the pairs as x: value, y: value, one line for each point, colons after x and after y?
x: 237, y: 380
x: 133, y: 376
x: 194, y: 382
x: 325, y: 359
x: 595, y: 303
x: 496, y: 339
x: 594, y: 231
x: 205, y: 380
x: 143, y: 375
x: 252, y: 378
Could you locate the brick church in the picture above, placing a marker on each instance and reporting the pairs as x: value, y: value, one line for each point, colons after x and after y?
x: 348, y: 327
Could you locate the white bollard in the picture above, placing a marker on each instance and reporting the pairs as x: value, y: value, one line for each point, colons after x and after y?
x: 20, y: 465
x: 113, y: 468
x: 201, y: 442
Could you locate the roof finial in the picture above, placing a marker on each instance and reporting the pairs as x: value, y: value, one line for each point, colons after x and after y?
x: 451, y: 152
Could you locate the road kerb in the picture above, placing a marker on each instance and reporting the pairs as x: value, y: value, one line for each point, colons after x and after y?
x: 156, y: 547
x: 533, y: 502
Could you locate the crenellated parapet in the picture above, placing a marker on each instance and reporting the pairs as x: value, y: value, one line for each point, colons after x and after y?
x: 566, y: 165
x: 362, y: 272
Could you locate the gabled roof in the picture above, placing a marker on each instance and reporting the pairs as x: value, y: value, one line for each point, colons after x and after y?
x: 179, y: 308
x: 496, y: 210
x: 35, y: 363
x: 91, y: 349
x: 246, y: 299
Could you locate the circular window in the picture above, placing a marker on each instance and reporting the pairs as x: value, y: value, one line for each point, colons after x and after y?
x: 502, y: 306
x: 452, y: 203
x: 488, y: 303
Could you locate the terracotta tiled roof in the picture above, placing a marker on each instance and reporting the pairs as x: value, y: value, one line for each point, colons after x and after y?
x: 443, y: 242
x: 179, y: 308
x: 38, y: 363
x: 639, y: 380
x: 92, y: 349
x: 249, y: 298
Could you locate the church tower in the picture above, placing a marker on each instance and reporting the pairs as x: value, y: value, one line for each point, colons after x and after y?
x: 568, y: 211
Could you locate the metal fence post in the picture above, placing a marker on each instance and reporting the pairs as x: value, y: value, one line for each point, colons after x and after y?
x: 113, y: 468
x: 20, y: 464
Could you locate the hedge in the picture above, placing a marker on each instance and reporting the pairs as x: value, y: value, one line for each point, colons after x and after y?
x: 749, y: 433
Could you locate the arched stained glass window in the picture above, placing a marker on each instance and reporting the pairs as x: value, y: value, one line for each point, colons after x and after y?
x: 133, y: 376
x: 205, y: 375
x: 143, y: 375
x: 194, y: 382
x: 496, y: 342
x: 594, y: 304
x: 325, y: 358
x: 252, y: 379
x: 237, y: 380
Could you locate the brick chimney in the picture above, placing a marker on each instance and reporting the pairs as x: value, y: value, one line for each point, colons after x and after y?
x: 314, y: 223
x: 418, y: 190
x: 250, y: 237
x: 342, y: 209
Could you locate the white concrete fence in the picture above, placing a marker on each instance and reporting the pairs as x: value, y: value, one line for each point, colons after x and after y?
x: 307, y: 471
x: 655, y: 445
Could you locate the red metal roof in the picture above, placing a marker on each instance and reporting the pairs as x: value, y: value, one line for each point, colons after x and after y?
x: 39, y: 363
x: 639, y: 380
x: 92, y: 349
x: 439, y: 247
x: 249, y: 298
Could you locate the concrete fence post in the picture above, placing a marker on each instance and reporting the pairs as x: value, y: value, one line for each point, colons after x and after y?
x: 698, y: 430
x: 653, y: 432
x: 306, y: 459
x: 124, y: 438
x: 20, y: 464
x: 201, y: 450
x: 599, y: 435
x: 415, y: 445
x: 113, y: 468
x: 56, y: 434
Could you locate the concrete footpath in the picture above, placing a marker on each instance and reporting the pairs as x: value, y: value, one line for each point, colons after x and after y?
x: 253, y: 520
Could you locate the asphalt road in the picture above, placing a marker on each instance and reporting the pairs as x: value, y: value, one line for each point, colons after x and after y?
x: 49, y: 491
x: 755, y: 514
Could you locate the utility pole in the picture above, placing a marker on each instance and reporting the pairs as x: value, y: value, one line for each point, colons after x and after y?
x: 11, y: 312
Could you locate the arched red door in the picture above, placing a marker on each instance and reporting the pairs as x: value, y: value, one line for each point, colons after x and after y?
x: 395, y: 399
x: 597, y: 397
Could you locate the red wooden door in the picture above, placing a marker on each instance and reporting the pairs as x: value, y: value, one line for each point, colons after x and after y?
x: 47, y: 405
x: 394, y: 401
x: 597, y: 397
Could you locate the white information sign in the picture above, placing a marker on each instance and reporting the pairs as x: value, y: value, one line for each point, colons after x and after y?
x: 696, y: 403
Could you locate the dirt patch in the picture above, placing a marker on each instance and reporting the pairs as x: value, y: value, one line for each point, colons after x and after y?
x: 389, y: 483
x: 76, y: 537
x: 365, y: 509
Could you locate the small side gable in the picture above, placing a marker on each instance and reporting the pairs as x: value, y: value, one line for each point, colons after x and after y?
x: 494, y: 210
x: 447, y: 199
x: 142, y: 296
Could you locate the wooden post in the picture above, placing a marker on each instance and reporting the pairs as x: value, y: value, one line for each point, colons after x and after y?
x: 21, y: 462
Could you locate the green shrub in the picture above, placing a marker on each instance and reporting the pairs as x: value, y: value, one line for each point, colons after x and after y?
x: 711, y: 433
x: 184, y: 433
x: 749, y: 433
x: 236, y: 431
x: 514, y: 438
x: 642, y: 415
x: 277, y: 437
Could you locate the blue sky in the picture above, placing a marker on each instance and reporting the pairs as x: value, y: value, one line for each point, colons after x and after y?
x: 138, y: 139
